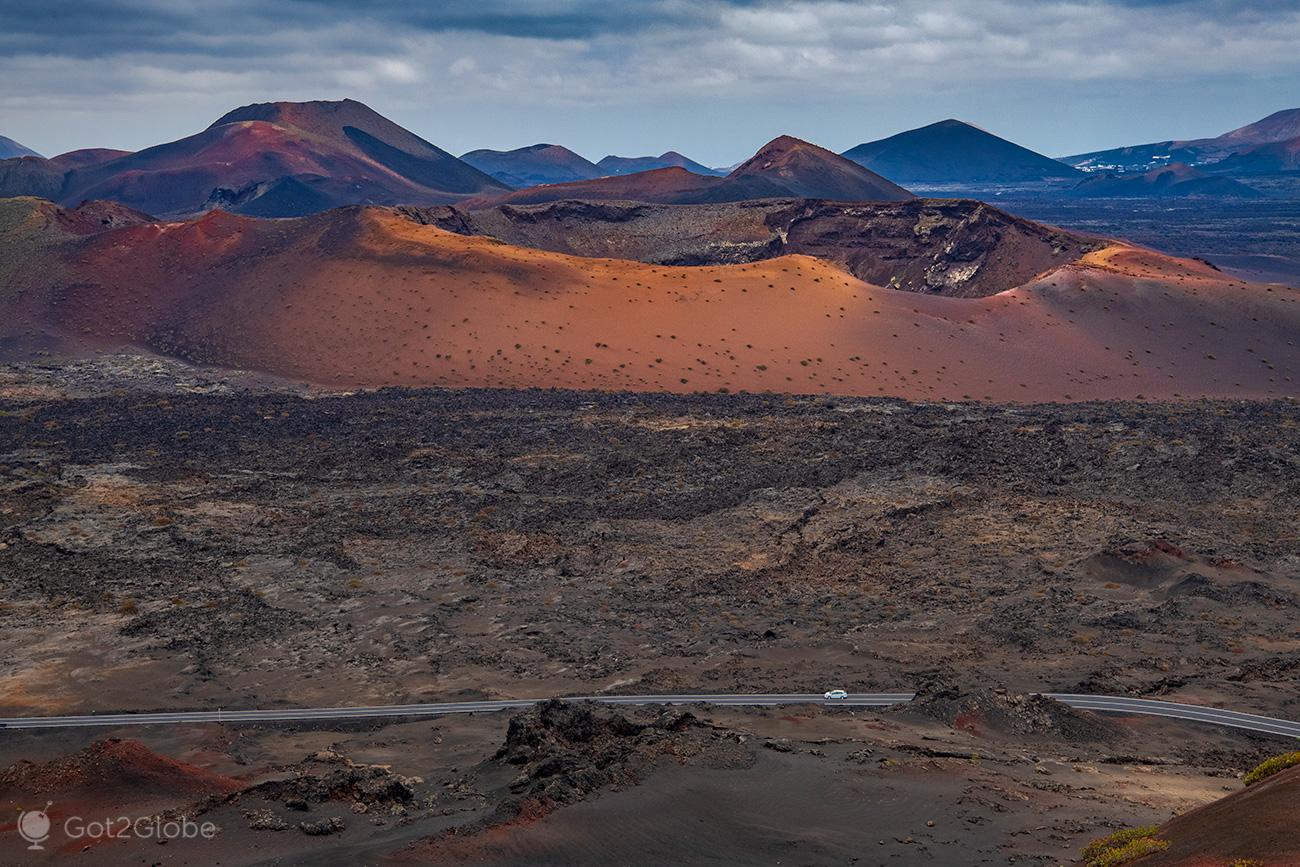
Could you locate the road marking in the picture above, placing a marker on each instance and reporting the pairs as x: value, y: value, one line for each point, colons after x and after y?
x: 1080, y: 701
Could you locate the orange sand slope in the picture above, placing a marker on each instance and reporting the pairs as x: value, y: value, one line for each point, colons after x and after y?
x: 364, y: 296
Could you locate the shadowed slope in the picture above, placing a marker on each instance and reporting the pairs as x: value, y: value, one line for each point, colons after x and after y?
x: 1258, y: 822
x: 941, y: 246
x: 10, y: 149
x: 951, y: 151
x: 533, y: 165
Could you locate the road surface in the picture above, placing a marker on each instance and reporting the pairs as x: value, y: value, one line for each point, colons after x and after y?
x: 1098, y: 703
x: 1187, y: 712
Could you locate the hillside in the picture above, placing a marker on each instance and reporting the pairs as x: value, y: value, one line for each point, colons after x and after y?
x: 785, y: 167
x: 316, y: 155
x: 533, y: 165
x: 1279, y: 126
x: 367, y: 297
x: 952, y: 151
x: 613, y: 165
x: 1257, y: 822
x: 1173, y: 181
x: 937, y: 246
x: 1280, y: 156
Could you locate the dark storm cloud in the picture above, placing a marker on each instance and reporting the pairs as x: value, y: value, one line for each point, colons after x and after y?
x: 494, y: 62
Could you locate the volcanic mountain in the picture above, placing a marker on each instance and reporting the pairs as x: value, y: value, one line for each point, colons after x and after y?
x: 956, y: 247
x: 281, y: 159
x: 533, y: 165
x: 785, y: 167
x: 37, y: 176
x: 10, y: 148
x: 1255, y: 825
x: 612, y: 165
x: 1277, y: 127
x: 1176, y: 180
x: 1280, y: 156
x: 366, y: 296
x: 952, y: 151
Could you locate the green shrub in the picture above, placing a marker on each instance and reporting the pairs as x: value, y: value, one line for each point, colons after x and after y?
x: 1123, y: 846
x: 1130, y: 851
x: 1269, y: 767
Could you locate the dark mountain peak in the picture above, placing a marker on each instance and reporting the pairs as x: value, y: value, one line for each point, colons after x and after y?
x: 300, y: 114
x: 781, y: 151
x: 955, y: 151
x: 10, y: 149
x: 532, y: 165
x: 790, y: 166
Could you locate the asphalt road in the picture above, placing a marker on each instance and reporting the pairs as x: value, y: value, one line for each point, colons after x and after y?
x: 1098, y: 703
x: 1188, y: 712
x: 879, y: 699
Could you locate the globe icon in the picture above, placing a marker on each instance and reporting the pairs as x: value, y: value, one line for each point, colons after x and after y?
x: 34, y: 827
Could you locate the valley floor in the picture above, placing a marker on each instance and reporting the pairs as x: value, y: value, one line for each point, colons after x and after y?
x: 193, y: 541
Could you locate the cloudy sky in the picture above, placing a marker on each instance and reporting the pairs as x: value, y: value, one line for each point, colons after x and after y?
x: 712, y: 78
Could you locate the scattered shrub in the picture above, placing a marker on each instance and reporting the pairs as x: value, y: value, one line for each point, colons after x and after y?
x: 1123, y: 846
x: 1269, y: 767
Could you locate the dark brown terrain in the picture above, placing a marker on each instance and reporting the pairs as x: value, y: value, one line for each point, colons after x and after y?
x: 934, y: 246
x: 175, y: 538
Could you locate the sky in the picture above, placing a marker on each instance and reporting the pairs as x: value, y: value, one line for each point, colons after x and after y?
x: 714, y: 79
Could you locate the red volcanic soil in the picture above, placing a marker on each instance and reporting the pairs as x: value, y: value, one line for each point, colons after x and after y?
x: 342, y: 152
x: 1258, y: 822
x: 785, y: 167
x: 107, y: 768
x: 367, y: 297
x: 616, y: 165
x: 108, y: 778
x: 86, y: 157
x: 672, y: 186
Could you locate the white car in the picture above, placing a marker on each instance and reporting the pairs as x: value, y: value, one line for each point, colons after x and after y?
x: 835, y: 694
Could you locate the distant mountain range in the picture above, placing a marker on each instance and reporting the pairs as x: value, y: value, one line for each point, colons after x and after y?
x: 533, y: 165
x: 785, y: 167
x: 952, y: 151
x: 294, y: 158
x: 554, y: 164
x: 268, y: 159
x: 10, y: 148
x: 612, y: 165
x: 1268, y: 145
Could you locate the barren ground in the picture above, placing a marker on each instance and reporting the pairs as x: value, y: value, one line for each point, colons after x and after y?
x: 222, y: 543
